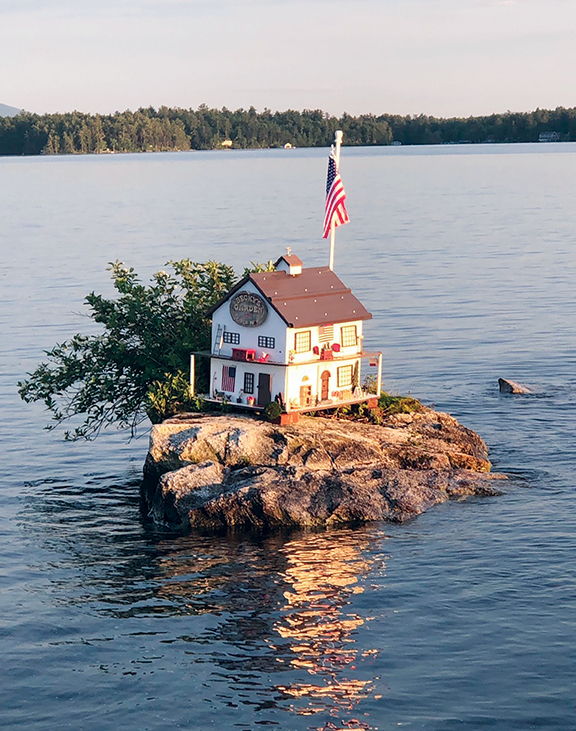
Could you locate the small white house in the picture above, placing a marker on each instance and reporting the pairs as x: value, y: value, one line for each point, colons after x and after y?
x: 293, y: 335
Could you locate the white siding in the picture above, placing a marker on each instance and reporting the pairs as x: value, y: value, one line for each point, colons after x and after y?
x: 273, y: 327
x: 277, y: 386
x: 310, y: 374
x: 295, y: 357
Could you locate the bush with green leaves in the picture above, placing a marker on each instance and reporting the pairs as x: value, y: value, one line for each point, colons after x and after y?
x: 138, y: 365
x: 388, y: 405
x: 272, y: 411
x: 391, y: 405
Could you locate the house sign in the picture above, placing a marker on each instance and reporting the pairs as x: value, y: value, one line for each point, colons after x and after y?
x: 248, y: 309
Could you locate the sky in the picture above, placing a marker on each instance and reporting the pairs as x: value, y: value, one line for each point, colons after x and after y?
x: 438, y: 57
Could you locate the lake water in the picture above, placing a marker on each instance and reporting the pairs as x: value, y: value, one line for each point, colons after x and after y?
x: 463, y: 619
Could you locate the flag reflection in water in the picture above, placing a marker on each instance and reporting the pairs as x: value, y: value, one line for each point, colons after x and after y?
x: 323, y: 572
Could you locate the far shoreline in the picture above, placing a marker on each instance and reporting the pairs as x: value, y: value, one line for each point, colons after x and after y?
x: 174, y: 129
x: 124, y: 153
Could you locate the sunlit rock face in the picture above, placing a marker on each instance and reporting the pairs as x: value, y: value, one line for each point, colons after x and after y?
x: 234, y: 472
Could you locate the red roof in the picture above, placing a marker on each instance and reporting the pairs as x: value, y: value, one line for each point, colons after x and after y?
x: 315, y: 297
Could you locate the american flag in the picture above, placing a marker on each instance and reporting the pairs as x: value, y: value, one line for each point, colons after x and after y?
x: 335, y: 196
x: 228, y: 378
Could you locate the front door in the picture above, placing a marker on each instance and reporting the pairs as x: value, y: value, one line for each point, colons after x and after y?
x: 305, y: 395
x: 264, y: 389
x: 325, y: 390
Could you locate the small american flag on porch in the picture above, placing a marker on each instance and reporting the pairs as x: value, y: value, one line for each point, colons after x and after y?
x: 228, y: 378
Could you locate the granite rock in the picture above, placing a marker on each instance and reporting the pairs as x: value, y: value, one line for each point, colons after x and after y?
x: 224, y: 472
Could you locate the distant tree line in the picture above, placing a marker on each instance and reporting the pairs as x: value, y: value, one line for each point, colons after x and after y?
x: 154, y: 130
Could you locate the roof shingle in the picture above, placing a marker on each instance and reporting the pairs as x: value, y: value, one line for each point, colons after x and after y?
x: 314, y: 297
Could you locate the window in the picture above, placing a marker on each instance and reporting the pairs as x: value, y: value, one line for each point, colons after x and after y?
x: 348, y: 336
x: 233, y: 338
x: 303, y: 341
x: 345, y: 376
x: 264, y: 342
x: 248, y: 383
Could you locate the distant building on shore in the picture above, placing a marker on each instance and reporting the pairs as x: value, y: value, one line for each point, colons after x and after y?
x: 548, y: 137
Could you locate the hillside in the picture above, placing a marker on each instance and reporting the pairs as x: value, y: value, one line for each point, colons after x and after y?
x: 7, y: 111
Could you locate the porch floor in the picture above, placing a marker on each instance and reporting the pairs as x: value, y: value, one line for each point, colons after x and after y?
x: 323, y: 406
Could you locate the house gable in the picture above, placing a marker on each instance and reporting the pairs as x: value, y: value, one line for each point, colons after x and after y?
x: 245, y: 320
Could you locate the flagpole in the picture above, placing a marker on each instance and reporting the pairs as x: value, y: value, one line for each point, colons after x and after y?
x: 337, y: 144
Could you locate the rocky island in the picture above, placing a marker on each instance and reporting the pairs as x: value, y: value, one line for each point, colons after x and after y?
x: 220, y: 472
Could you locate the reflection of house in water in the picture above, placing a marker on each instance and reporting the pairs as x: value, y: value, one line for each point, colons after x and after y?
x: 282, y: 611
x: 323, y: 573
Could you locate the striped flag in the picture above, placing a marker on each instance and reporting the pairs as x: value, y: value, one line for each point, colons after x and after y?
x: 228, y: 378
x: 335, y: 196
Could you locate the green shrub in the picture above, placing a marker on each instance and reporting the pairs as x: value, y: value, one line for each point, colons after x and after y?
x: 272, y: 411
x: 136, y: 366
x: 387, y: 406
x: 398, y: 404
x: 170, y: 396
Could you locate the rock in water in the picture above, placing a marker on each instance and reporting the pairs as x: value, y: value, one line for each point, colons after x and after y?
x: 511, y: 387
x: 220, y: 472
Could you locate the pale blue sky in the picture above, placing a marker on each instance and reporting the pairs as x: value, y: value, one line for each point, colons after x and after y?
x: 441, y: 57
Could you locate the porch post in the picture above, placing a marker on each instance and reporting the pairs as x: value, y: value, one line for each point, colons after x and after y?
x: 379, y: 379
x: 192, y: 373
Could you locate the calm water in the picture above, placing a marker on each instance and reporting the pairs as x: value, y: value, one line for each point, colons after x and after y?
x: 464, y: 619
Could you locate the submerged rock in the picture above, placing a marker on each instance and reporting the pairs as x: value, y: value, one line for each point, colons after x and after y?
x: 219, y: 472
